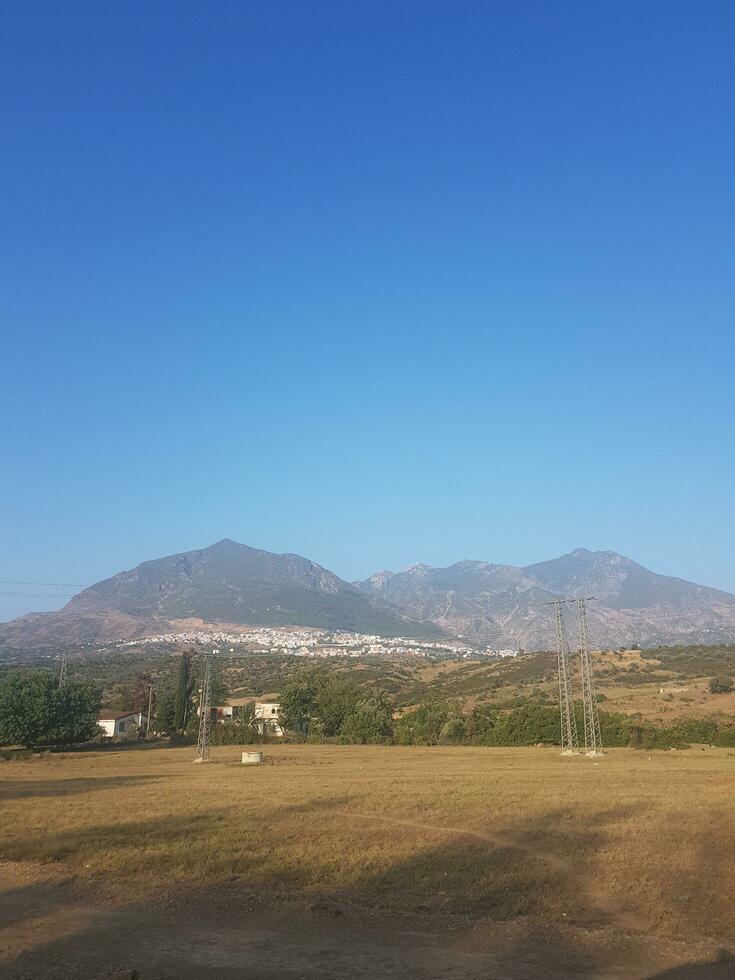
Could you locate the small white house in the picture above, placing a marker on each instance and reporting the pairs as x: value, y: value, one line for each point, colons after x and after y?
x: 116, y: 723
x: 266, y: 718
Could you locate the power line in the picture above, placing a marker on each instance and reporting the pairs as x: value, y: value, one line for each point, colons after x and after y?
x: 50, y: 585
x: 38, y: 595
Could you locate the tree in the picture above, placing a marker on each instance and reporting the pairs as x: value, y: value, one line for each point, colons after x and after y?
x: 453, y: 732
x: 336, y: 698
x: 247, y: 723
x: 220, y: 691
x: 165, y: 713
x: 370, y: 721
x: 721, y: 685
x: 480, y: 724
x: 423, y: 725
x: 34, y: 710
x: 139, y: 693
x: 298, y: 705
x: 184, y: 689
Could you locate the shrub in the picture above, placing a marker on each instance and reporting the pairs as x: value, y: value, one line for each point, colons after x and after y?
x: 721, y: 685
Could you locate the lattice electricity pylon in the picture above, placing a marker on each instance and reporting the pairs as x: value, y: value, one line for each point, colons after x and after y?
x: 205, y: 711
x: 62, y: 669
x: 592, y: 739
x: 569, y: 740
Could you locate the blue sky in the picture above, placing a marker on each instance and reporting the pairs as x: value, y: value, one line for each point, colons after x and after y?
x: 373, y: 282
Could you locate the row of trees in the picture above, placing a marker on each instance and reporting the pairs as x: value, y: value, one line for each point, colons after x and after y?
x: 323, y: 706
x: 326, y: 707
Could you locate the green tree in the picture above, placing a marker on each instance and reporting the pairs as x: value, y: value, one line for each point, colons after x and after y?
x: 220, y: 692
x: 165, y: 719
x: 242, y: 730
x: 34, y: 710
x: 335, y: 699
x: 480, y: 725
x: 120, y: 698
x: 370, y: 721
x: 423, y: 725
x: 184, y: 690
x: 298, y: 705
x: 139, y: 693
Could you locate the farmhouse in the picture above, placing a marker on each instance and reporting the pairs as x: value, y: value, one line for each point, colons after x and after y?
x: 266, y: 718
x: 115, y: 723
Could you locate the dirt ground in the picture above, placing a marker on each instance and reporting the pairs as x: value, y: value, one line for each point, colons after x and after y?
x: 339, y: 862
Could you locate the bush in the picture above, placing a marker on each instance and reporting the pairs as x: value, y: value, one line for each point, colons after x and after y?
x: 529, y: 725
x: 721, y: 685
x: 453, y: 732
x: 726, y: 738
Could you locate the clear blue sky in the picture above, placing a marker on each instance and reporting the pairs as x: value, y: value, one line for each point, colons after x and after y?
x: 374, y: 282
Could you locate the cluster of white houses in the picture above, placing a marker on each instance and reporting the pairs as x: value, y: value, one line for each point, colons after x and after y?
x: 320, y: 643
x: 124, y: 724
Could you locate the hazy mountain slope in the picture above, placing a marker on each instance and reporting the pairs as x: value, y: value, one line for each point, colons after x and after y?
x: 506, y: 606
x: 228, y: 583
x: 474, y: 599
x: 499, y: 605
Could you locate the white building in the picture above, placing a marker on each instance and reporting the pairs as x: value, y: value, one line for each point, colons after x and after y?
x: 116, y: 723
x: 267, y: 714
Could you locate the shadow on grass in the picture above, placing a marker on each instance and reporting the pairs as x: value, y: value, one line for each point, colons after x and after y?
x: 139, y: 837
x: 509, y: 902
x: 135, y: 745
x: 21, y: 789
x: 722, y: 968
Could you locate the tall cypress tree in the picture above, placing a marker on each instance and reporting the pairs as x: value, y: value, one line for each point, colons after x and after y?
x: 183, y: 693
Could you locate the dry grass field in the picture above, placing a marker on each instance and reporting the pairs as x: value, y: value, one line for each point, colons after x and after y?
x: 347, y: 861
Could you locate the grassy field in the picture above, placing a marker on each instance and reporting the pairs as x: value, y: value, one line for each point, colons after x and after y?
x: 336, y: 861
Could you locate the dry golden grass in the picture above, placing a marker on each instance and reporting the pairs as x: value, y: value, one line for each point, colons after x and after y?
x: 633, y: 841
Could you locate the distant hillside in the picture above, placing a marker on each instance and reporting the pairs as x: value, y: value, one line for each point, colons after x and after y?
x: 498, y: 605
x: 225, y: 583
x: 507, y: 606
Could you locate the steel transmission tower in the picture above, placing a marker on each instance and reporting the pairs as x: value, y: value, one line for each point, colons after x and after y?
x: 62, y: 670
x: 569, y: 740
x: 205, y: 711
x: 592, y: 740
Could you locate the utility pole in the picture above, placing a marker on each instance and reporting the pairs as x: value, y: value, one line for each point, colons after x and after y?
x: 205, y: 711
x: 592, y: 739
x: 150, y: 710
x: 569, y: 740
x: 63, y: 669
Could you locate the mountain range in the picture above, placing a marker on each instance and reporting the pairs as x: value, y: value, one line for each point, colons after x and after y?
x: 231, y: 584
x: 503, y: 605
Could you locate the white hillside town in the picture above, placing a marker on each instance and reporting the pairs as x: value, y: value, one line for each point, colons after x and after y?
x: 319, y: 643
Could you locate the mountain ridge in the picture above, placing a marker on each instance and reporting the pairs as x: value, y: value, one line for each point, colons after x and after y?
x: 508, y: 605
x: 226, y: 582
x: 487, y: 603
